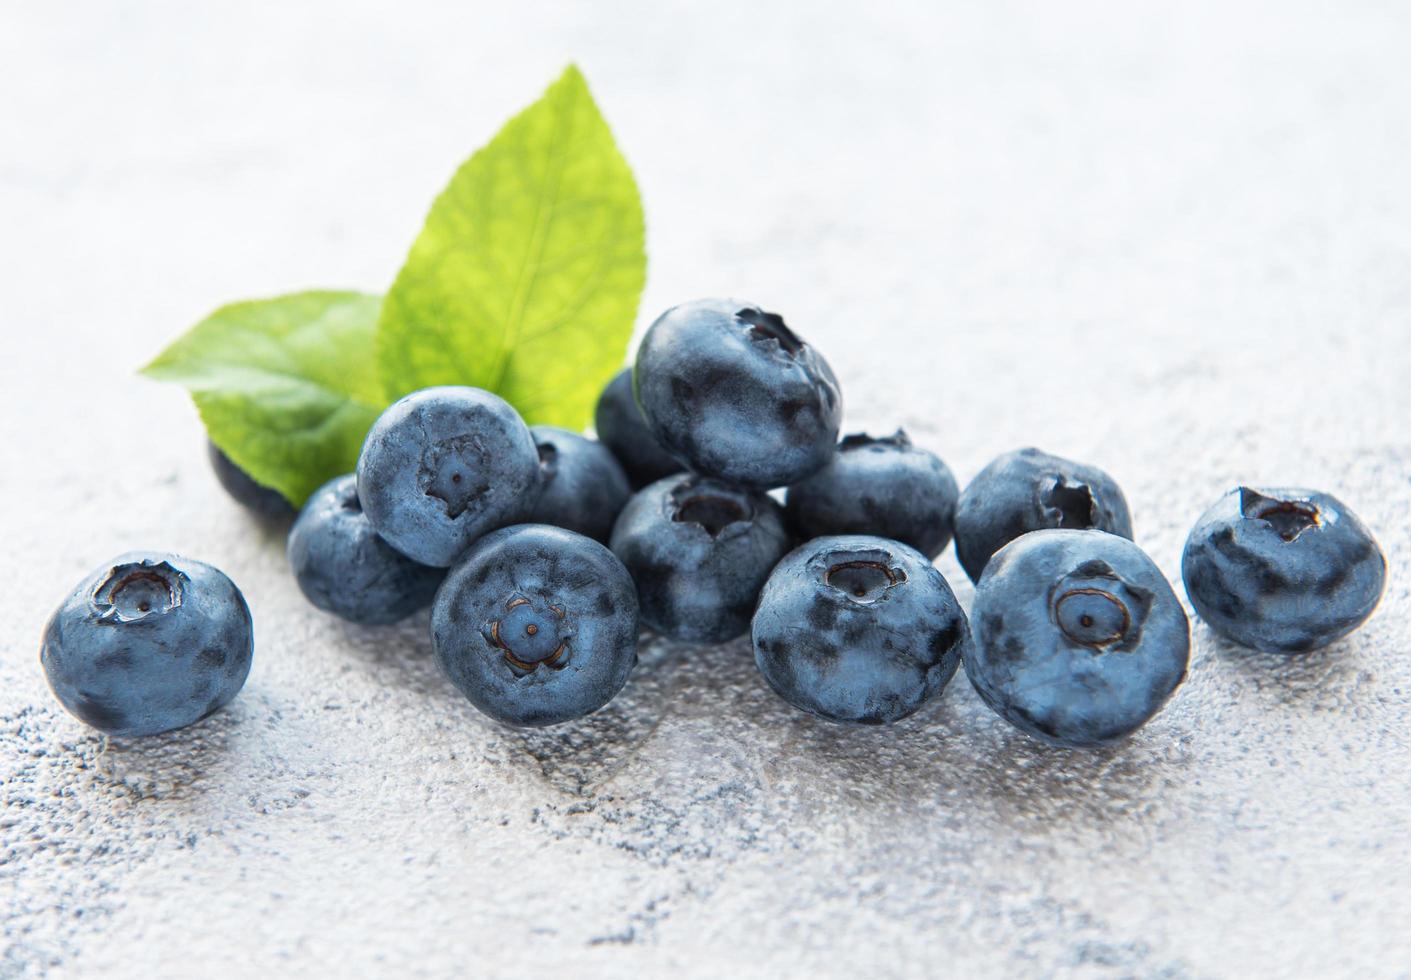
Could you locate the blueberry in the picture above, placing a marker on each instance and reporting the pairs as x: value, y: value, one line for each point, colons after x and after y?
x: 264, y: 501
x: 537, y: 625
x: 581, y: 485
x: 148, y: 643
x: 443, y: 466
x: 699, y: 551
x: 1079, y: 639
x: 735, y: 394
x: 1282, y: 571
x: 345, y: 568
x: 858, y: 629
x: 622, y: 429
x: 885, y: 487
x: 1028, y: 490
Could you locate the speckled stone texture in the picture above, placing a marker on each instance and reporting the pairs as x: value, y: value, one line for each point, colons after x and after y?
x: 1174, y: 242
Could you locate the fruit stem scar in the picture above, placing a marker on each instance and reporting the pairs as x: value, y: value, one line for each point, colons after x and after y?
x: 770, y: 326
x: 553, y: 661
x: 1087, y: 621
x: 861, y: 579
x: 1288, y: 518
x: 712, y: 511
x: 891, y: 575
x: 156, y: 587
x: 1073, y: 503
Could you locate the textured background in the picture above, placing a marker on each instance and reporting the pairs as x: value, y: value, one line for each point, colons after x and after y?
x: 1177, y: 244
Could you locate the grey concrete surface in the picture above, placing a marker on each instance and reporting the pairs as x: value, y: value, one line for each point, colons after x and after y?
x: 1174, y: 240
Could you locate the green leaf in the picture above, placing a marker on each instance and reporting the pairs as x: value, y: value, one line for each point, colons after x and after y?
x: 525, y: 279
x: 287, y: 386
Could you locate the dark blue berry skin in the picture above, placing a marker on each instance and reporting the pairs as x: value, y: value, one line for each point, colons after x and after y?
x: 1028, y: 490
x: 699, y: 551
x: 622, y: 429
x: 148, y: 643
x: 1283, y: 571
x: 581, y: 485
x: 537, y: 625
x: 344, y: 567
x: 734, y: 394
x: 443, y: 466
x: 858, y: 629
x: 885, y: 487
x: 264, y: 501
x: 1078, y: 638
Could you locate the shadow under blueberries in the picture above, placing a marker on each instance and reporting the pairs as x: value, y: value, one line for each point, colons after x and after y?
x: 398, y: 655
x: 177, y: 765
x: 580, y: 757
x: 574, y: 758
x: 1314, y: 680
x: 272, y: 532
x: 955, y: 757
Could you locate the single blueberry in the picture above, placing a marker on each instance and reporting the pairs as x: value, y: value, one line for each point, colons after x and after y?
x: 883, y: 486
x: 1028, y: 490
x: 622, y: 429
x: 699, y: 552
x: 344, y: 567
x: 537, y: 625
x: 1079, y: 639
x: 441, y: 467
x: 581, y: 485
x: 264, y: 501
x: 735, y: 394
x: 858, y: 628
x: 148, y: 643
x: 1284, y: 571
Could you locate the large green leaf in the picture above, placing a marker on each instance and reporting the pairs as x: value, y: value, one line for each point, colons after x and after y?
x: 525, y: 279
x: 287, y: 386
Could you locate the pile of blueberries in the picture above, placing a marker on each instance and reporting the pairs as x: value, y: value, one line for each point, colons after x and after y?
x: 540, y: 562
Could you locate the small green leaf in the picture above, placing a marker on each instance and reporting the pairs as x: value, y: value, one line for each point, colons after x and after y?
x: 287, y: 386
x: 525, y: 279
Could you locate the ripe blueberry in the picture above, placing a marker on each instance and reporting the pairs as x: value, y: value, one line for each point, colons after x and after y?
x: 1284, y: 571
x: 264, y: 501
x: 1028, y: 490
x: 537, y: 625
x: 345, y: 568
x: 858, y: 629
x: 441, y: 467
x: 622, y: 429
x: 581, y: 485
x: 699, y: 552
x: 1079, y: 639
x: 148, y: 643
x: 885, y: 487
x: 735, y: 394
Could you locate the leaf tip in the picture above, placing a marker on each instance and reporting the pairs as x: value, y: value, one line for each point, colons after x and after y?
x: 572, y: 78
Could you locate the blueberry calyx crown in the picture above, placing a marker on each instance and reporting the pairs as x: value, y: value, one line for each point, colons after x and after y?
x: 447, y: 474
x: 765, y: 327
x: 1288, y: 518
x: 529, y: 639
x: 861, y: 440
x: 864, y: 577
x: 1094, y: 607
x: 1069, y: 505
x: 714, y: 508
x: 137, y: 590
